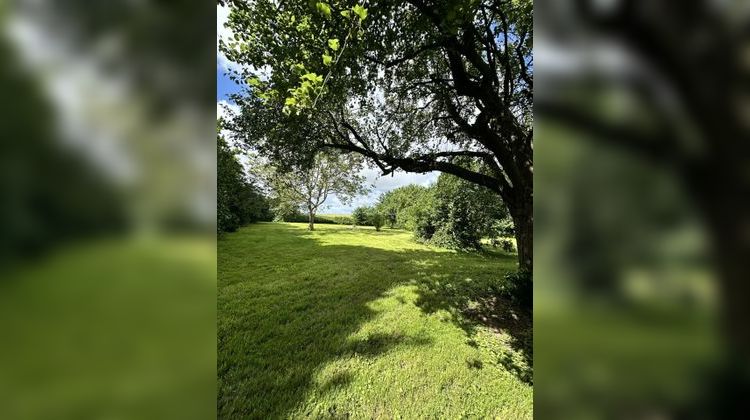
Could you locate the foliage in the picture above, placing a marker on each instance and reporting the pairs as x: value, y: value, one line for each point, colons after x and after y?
x: 376, y: 219
x: 307, y: 188
x: 368, y: 216
x: 507, y: 245
x: 519, y: 287
x: 360, y: 216
x: 334, y: 308
x: 403, y: 206
x: 52, y: 194
x: 453, y: 213
x: 410, y: 86
x: 338, y: 219
x: 326, y: 219
x: 503, y: 227
x: 238, y: 200
x: 301, y: 42
x: 463, y: 214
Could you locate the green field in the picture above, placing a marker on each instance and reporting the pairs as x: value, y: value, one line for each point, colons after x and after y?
x: 344, y: 322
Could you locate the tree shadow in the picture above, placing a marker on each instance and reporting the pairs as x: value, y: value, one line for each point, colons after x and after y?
x: 377, y: 344
x: 478, y: 302
x: 283, y: 316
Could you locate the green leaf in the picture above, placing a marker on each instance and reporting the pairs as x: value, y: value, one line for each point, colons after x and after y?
x: 290, y: 101
x: 253, y: 81
x: 345, y: 13
x: 360, y: 11
x: 327, y: 59
x: 333, y: 44
x: 324, y: 9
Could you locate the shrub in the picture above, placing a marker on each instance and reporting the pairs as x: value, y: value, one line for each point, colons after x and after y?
x: 519, y: 288
x: 401, y: 206
x: 376, y: 219
x: 339, y: 219
x: 359, y: 216
x: 503, y: 227
x: 424, y: 230
x: 507, y: 245
x: 456, y: 214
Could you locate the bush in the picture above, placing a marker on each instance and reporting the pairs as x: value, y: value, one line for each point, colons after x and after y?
x: 324, y: 219
x: 519, y: 288
x: 457, y: 214
x: 359, y: 216
x: 376, y: 219
x: 298, y: 217
x: 503, y: 227
x: 507, y: 245
x: 400, y: 207
x: 339, y: 219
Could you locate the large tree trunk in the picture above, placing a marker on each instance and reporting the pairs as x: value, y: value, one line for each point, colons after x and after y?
x: 726, y: 204
x: 723, y: 196
x: 522, y: 213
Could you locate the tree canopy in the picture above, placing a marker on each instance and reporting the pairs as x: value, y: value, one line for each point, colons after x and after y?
x: 238, y: 200
x: 411, y: 85
x: 309, y: 187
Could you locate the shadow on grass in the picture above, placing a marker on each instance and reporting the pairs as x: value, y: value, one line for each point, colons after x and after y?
x: 287, y: 306
x: 475, y: 303
x: 327, y: 230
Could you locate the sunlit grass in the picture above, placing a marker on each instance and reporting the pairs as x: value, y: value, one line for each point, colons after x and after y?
x: 351, y: 322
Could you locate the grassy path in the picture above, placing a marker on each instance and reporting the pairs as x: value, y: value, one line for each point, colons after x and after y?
x: 343, y: 323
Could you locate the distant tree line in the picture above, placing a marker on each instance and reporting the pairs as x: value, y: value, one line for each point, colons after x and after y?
x: 452, y: 213
x: 239, y: 200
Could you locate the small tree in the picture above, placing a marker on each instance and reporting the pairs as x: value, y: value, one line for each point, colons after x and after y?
x: 359, y: 216
x: 308, y: 188
x: 376, y: 219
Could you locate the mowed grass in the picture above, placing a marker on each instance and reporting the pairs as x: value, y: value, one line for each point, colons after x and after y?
x: 354, y: 323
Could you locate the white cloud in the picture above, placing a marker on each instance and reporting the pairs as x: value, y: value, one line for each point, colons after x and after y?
x: 221, y: 108
x: 380, y: 185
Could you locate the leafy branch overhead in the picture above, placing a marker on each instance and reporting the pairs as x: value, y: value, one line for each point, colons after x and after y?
x: 317, y: 33
x: 415, y: 86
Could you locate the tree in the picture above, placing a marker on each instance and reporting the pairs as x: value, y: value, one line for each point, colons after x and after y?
x: 309, y: 187
x: 463, y: 213
x: 238, y: 200
x: 375, y: 218
x: 398, y: 205
x: 410, y: 85
x: 359, y: 216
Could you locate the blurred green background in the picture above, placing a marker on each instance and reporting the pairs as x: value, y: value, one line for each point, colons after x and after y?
x: 107, y: 179
x: 641, y: 203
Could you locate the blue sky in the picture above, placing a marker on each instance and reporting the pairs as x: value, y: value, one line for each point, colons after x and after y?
x: 224, y: 86
x: 378, y: 184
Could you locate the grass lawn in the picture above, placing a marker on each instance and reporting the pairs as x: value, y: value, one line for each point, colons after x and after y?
x: 356, y: 323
